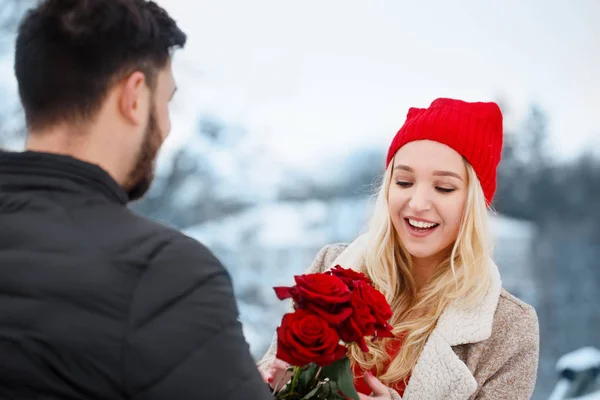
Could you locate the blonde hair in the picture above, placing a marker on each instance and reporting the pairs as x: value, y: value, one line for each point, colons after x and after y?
x: 464, y: 275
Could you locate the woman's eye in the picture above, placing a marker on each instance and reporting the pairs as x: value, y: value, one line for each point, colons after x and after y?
x: 404, y: 183
x: 445, y: 190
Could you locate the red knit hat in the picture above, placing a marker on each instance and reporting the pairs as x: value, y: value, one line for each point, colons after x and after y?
x: 474, y: 130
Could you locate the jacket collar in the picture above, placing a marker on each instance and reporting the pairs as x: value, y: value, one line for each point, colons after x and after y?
x: 439, y: 373
x: 38, y: 171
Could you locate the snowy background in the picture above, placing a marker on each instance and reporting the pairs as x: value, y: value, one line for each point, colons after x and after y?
x: 285, y: 110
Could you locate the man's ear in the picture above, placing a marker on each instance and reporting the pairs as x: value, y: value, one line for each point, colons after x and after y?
x: 133, y: 100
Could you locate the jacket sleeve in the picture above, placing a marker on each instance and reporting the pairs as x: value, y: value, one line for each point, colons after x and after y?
x: 515, y: 379
x: 183, y: 339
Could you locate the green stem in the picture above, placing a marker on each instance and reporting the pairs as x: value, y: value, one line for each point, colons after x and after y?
x: 297, y: 371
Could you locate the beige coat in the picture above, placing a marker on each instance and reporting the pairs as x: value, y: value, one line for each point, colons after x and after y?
x: 485, y: 352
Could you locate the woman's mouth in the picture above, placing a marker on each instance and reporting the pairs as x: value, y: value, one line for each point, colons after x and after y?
x: 420, y: 228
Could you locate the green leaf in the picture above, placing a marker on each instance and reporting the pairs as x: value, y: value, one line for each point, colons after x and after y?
x: 340, y: 372
x: 307, y: 376
x: 311, y: 394
x: 334, y: 390
x: 326, y: 393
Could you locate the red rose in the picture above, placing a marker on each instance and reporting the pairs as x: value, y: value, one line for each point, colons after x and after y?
x: 305, y: 338
x: 348, y: 276
x: 360, y: 324
x: 325, y: 295
x: 380, y: 309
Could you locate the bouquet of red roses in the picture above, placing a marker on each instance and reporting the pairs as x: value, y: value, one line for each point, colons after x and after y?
x: 333, y: 309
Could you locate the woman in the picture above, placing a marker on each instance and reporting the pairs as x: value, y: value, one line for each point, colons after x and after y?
x: 459, y: 335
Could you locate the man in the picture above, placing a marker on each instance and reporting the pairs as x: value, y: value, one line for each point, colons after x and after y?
x: 97, y: 302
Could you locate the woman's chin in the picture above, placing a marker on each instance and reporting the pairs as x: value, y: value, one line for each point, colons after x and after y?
x: 422, y: 254
x: 424, y: 251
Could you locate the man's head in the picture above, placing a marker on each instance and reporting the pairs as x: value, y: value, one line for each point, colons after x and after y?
x: 95, y: 81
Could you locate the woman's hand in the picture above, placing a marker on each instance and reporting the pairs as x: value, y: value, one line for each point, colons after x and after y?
x: 380, y: 391
x: 277, y: 374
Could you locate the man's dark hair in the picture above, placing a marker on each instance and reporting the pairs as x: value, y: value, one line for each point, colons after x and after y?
x: 70, y: 52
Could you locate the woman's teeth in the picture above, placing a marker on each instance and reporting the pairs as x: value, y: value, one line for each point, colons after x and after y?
x: 421, y: 224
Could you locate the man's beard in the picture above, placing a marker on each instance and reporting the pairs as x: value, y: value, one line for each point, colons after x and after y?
x: 141, y: 176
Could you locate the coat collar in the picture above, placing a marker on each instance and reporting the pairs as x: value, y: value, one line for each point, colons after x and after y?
x: 439, y: 373
x: 47, y: 172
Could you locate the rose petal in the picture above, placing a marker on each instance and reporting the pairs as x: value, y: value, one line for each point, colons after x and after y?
x: 283, y: 292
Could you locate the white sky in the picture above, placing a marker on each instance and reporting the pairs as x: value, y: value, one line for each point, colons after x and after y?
x: 308, y: 77
x: 345, y: 72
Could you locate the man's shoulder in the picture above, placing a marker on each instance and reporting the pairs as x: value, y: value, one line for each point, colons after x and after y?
x: 177, y: 243
x: 179, y: 263
x: 169, y: 242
